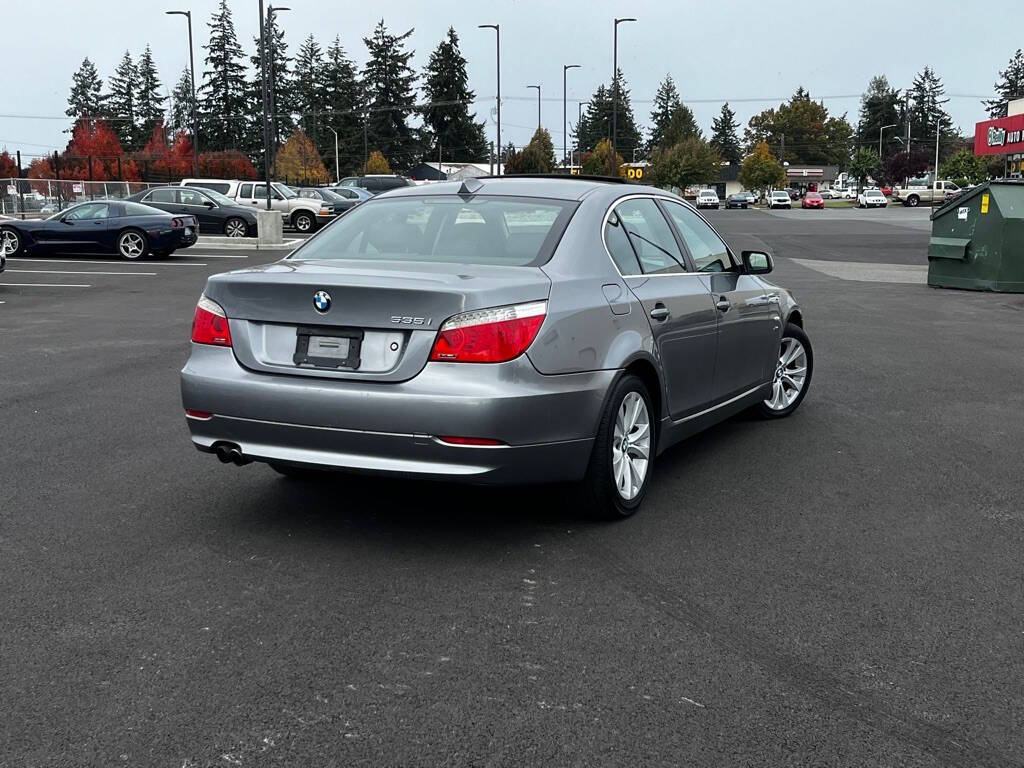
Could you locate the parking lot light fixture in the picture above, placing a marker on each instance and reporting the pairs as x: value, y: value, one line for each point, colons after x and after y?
x: 497, y: 35
x: 192, y: 74
x: 615, y: 88
x: 538, y: 103
x: 891, y: 125
x: 266, y: 126
x: 565, y: 122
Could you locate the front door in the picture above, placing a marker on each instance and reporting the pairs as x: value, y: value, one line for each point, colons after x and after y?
x: 82, y: 229
x: 195, y: 203
x: 676, y: 301
x: 748, y: 317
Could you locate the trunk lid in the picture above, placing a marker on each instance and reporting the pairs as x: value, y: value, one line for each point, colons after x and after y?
x: 394, y: 308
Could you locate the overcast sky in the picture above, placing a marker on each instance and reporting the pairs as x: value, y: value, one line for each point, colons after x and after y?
x: 751, y: 53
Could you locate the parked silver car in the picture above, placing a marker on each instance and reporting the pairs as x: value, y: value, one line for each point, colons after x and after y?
x: 501, y: 330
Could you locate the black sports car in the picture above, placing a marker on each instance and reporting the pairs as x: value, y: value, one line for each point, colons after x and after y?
x: 128, y: 229
x: 217, y: 214
x: 739, y: 200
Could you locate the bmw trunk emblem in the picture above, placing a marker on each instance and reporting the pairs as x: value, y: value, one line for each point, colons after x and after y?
x: 322, y: 301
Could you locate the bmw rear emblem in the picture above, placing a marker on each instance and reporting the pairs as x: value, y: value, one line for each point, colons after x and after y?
x: 322, y: 301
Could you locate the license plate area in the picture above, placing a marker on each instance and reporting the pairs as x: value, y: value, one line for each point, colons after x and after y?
x: 328, y: 347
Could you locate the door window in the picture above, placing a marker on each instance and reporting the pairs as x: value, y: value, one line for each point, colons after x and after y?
x: 89, y: 211
x: 245, y: 191
x: 619, y: 248
x: 162, y: 195
x: 709, y: 253
x: 191, y: 197
x: 651, y: 237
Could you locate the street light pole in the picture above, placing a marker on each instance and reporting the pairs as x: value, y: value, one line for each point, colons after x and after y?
x: 538, y: 103
x: 579, y: 122
x: 337, y: 172
x: 935, y: 174
x: 615, y: 90
x: 565, y: 123
x: 192, y: 74
x: 271, y: 10
x: 882, y: 128
x: 497, y: 35
x: 266, y: 128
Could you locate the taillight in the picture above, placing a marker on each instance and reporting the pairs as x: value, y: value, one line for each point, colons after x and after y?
x: 474, y: 441
x: 489, y: 335
x: 177, y: 223
x: 210, y: 324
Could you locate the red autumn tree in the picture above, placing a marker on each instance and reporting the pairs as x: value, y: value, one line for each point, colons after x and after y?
x: 94, y: 139
x: 158, y: 159
x: 8, y: 168
x: 229, y: 164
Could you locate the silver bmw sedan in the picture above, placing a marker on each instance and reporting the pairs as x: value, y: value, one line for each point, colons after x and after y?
x: 497, y: 330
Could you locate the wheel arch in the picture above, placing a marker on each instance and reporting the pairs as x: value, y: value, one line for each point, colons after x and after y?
x: 796, y: 318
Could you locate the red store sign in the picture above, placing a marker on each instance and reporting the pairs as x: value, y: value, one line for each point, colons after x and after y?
x: 999, y: 137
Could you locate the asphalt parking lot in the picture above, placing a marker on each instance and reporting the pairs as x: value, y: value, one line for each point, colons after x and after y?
x: 841, y: 588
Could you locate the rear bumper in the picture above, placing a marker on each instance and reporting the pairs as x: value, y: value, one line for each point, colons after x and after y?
x: 546, y: 422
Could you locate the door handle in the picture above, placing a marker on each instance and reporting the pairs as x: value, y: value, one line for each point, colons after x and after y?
x: 660, y: 312
x: 723, y: 304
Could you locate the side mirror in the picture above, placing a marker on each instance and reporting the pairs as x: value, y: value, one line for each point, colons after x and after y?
x: 210, y: 204
x: 757, y: 263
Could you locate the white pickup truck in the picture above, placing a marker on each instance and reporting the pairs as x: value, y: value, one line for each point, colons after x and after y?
x: 302, y: 213
x: 916, y: 193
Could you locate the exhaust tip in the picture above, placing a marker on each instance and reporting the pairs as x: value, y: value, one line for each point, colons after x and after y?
x: 229, y: 453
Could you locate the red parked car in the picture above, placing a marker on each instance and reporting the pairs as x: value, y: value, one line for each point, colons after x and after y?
x: 812, y: 200
x: 886, y: 190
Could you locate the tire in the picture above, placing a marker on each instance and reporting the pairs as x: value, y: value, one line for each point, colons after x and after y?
x: 11, y: 242
x: 603, y: 495
x: 778, y: 406
x: 304, y: 221
x: 235, y: 227
x: 913, y: 201
x: 132, y: 245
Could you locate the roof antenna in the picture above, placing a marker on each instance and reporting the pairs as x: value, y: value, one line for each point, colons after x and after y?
x: 470, y: 186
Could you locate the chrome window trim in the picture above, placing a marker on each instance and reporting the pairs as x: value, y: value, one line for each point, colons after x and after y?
x: 644, y: 196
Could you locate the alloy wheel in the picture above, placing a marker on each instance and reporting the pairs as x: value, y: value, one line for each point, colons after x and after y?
x: 131, y: 245
x: 10, y: 242
x: 631, y: 445
x: 235, y: 228
x: 790, y: 375
x: 303, y: 223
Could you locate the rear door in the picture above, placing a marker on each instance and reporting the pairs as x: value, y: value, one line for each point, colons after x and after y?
x: 748, y: 317
x: 677, y: 302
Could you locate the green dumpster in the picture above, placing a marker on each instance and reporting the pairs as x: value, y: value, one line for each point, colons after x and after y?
x: 978, y: 240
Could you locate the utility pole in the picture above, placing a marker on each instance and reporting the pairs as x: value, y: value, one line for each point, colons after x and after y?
x: 337, y: 173
x: 782, y: 152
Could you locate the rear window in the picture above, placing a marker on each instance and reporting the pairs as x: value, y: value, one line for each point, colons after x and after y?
x: 216, y: 186
x: 446, y: 229
x: 138, y: 209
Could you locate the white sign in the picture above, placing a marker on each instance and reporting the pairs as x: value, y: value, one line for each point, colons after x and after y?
x: 961, y: 213
x: 11, y: 189
x: 76, y: 188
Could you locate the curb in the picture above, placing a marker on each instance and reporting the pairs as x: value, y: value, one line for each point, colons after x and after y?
x: 243, y: 244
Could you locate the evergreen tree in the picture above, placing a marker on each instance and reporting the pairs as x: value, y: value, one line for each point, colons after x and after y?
x: 1010, y: 86
x: 120, y: 102
x: 681, y: 125
x: 181, y: 104
x: 880, y: 106
x: 149, y: 100
x: 85, y: 99
x: 223, y: 102
x: 597, y: 123
x: 280, y: 90
x: 449, y: 123
x: 666, y: 99
x: 811, y: 135
x: 724, y: 137
x: 926, y: 100
x: 308, y: 91
x: 343, y: 101
x: 388, y: 80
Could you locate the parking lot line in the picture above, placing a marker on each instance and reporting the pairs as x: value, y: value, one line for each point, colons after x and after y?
x: 213, y: 256
x: 120, y: 263
x: 62, y: 272
x: 45, y: 285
